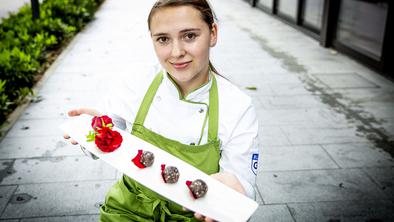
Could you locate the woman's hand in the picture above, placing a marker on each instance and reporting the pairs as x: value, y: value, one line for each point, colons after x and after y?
x: 228, y: 179
x: 77, y: 112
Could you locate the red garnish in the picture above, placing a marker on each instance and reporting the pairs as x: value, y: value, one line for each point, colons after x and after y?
x: 137, y: 160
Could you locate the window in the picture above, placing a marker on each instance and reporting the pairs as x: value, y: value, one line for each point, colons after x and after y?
x: 361, y: 26
x: 288, y: 8
x: 313, y: 14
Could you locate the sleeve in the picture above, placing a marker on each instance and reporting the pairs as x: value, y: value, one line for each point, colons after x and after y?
x: 239, y: 155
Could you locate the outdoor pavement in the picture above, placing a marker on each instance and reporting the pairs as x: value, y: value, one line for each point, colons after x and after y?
x: 327, y: 122
x: 10, y: 6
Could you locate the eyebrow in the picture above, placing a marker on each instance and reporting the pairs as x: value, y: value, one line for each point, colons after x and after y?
x: 182, y: 31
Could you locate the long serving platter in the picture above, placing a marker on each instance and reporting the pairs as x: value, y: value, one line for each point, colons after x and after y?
x: 221, y: 202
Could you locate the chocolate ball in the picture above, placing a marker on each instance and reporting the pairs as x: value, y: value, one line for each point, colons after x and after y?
x: 199, y: 188
x: 147, y: 158
x: 170, y: 174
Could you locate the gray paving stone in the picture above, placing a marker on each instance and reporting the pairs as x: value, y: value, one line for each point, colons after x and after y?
x: 36, y: 128
x: 358, y: 155
x: 345, y: 80
x: 82, y: 218
x: 318, y: 135
x: 66, y: 82
x: 289, y: 89
x: 343, y: 211
x: 49, y: 110
x: 71, y: 97
x: 311, y: 117
x: 272, y: 136
x: 286, y: 158
x: 5, y: 194
x: 384, y: 177
x: 277, y: 213
x: 290, y: 102
x: 59, y: 169
x: 55, y: 199
x: 30, y: 147
x: 316, y: 185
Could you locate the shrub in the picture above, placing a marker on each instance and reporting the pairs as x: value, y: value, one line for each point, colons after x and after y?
x: 26, y: 44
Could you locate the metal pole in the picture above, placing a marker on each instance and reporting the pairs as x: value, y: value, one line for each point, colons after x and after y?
x: 35, y: 9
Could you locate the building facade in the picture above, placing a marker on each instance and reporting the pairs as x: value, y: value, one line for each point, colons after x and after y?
x: 363, y: 29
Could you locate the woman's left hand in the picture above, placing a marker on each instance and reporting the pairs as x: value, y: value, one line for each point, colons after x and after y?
x: 228, y: 179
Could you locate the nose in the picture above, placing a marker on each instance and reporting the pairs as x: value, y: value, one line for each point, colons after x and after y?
x: 177, y: 49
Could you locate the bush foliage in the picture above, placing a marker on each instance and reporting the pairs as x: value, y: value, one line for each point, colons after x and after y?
x: 27, y: 44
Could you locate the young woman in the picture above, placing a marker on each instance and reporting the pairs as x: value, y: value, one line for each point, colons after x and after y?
x: 186, y: 109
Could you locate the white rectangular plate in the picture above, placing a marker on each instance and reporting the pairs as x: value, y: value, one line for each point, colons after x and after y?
x: 220, y: 203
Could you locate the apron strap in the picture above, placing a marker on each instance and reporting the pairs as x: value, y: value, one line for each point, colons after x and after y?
x: 213, y: 110
x: 148, y: 98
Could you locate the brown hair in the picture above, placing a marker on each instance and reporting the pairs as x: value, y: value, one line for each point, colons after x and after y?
x: 202, y: 6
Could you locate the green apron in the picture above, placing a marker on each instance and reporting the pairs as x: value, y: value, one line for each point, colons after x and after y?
x: 129, y: 200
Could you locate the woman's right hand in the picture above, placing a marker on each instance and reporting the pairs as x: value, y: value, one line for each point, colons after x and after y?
x: 77, y: 112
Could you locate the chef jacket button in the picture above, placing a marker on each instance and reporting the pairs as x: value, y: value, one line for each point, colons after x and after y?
x: 201, y: 110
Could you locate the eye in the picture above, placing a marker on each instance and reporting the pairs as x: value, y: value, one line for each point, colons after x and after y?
x: 189, y: 36
x: 162, y: 39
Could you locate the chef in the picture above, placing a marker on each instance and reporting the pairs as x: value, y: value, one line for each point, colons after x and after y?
x: 186, y: 108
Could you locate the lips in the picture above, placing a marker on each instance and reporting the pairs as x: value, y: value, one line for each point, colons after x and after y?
x: 180, y: 65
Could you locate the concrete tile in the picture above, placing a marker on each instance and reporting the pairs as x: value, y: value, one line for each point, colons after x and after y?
x: 290, y: 89
x: 58, y: 169
x: 36, y: 128
x: 283, y: 158
x: 290, y: 102
x: 316, y: 185
x: 5, y: 194
x: 30, y: 147
x: 311, y: 117
x: 71, y: 97
x: 69, y: 82
x: 345, y: 80
x: 58, y: 199
x: 315, y: 135
x: 384, y: 177
x: 275, y: 213
x: 272, y: 136
x: 344, y: 211
x: 44, y: 110
x: 358, y: 155
x: 82, y: 218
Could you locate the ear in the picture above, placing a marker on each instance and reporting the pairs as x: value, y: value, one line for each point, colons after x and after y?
x: 214, y: 35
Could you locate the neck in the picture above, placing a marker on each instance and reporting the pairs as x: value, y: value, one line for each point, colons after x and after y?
x: 189, y: 86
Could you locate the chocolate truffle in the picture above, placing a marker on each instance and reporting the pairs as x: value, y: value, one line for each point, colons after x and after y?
x: 198, y: 188
x: 147, y: 158
x: 170, y: 174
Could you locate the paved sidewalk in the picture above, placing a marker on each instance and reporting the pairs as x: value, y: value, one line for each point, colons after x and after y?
x: 8, y: 6
x: 327, y: 122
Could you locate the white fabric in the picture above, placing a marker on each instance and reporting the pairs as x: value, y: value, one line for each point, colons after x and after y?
x: 183, y: 119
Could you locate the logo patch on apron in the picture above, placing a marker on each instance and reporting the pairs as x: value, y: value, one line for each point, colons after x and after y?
x: 255, y: 160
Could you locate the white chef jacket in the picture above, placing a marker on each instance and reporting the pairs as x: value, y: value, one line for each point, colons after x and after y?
x: 182, y: 119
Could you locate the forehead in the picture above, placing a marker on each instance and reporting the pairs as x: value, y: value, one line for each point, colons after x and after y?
x: 174, y: 19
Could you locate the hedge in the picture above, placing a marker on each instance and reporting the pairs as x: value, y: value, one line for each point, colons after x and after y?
x: 27, y: 45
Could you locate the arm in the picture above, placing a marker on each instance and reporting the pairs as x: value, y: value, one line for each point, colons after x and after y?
x: 240, y: 154
x: 238, y: 162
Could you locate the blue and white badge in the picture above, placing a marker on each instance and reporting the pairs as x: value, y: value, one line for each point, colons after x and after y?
x: 254, y: 163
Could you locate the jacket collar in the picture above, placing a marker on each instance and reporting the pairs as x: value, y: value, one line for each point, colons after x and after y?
x: 198, y: 95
